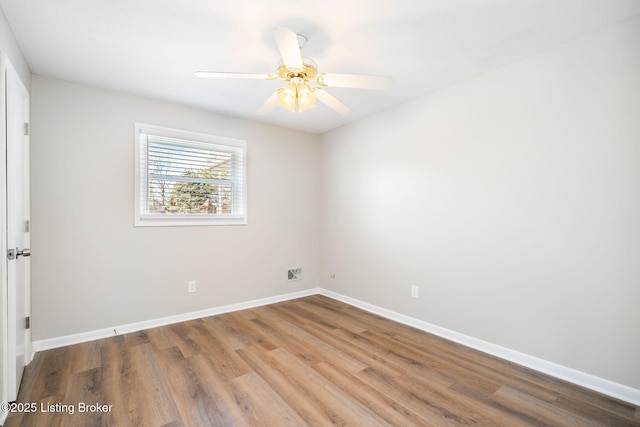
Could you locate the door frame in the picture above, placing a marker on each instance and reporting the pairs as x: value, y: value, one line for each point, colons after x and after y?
x: 7, y: 365
x: 3, y: 230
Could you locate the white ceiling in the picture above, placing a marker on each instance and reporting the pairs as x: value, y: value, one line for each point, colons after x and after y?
x: 152, y: 47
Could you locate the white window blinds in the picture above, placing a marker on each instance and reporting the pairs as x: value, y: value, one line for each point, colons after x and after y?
x: 187, y: 178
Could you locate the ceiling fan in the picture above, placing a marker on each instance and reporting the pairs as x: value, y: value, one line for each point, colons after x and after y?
x: 305, y: 84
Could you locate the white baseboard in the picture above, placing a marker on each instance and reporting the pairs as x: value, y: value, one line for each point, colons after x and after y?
x: 583, y: 379
x: 50, y: 343
x: 601, y: 385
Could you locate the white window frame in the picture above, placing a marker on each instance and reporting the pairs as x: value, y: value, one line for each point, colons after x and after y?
x: 145, y: 219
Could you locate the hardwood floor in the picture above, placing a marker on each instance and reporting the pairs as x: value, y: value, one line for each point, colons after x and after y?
x: 311, y: 361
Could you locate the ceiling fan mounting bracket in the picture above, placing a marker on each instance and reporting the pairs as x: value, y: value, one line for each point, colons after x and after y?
x: 302, y: 40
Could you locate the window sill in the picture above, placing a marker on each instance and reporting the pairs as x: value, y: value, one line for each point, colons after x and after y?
x: 188, y: 220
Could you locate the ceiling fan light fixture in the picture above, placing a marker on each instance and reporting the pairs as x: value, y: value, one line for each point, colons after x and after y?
x: 296, y: 96
x: 304, y: 85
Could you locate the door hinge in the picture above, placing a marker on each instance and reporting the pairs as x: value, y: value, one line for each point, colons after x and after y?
x: 26, y: 129
x: 27, y: 323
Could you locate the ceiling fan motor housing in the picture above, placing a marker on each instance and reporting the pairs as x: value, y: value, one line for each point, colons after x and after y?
x: 308, y: 72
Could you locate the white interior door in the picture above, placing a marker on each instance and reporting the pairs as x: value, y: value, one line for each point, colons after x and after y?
x: 18, y: 237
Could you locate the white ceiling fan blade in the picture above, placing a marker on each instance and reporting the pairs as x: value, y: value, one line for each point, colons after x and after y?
x: 356, y: 81
x: 231, y: 75
x: 331, y: 101
x: 289, y: 47
x: 269, y: 105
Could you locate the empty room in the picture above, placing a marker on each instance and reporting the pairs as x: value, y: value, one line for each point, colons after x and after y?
x: 362, y: 213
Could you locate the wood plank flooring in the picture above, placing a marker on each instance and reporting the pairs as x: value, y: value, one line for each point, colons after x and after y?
x: 311, y: 361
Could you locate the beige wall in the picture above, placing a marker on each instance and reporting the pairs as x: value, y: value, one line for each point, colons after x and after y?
x: 512, y: 200
x: 92, y: 269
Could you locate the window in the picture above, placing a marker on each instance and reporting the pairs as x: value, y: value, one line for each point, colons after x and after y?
x: 185, y: 178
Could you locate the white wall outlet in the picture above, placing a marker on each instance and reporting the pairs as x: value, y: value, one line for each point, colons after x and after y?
x: 191, y: 286
x: 414, y: 291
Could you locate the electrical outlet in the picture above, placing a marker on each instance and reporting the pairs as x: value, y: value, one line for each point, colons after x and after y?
x: 191, y: 286
x: 414, y: 291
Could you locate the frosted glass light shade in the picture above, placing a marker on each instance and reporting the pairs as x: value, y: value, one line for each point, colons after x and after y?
x: 287, y: 98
